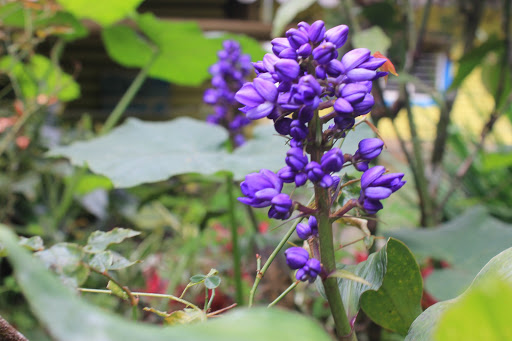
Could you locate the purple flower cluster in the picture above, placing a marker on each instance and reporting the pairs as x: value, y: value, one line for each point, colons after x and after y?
x: 375, y: 186
x: 228, y: 76
x: 307, y: 268
x: 304, y: 231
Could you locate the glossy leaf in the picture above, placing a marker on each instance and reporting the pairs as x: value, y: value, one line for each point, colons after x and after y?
x: 39, y: 76
x: 98, y: 241
x: 103, y: 12
x: 397, y: 302
x: 172, y: 148
x: 384, y: 270
x: 466, y: 243
x: 287, y: 12
x: 483, y: 300
x: 85, y: 322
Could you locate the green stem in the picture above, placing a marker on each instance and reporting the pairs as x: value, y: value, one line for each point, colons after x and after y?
x: 128, y: 96
x: 271, y: 258
x: 325, y: 237
x: 144, y: 294
x: 283, y: 294
x: 234, y: 241
x: 67, y: 197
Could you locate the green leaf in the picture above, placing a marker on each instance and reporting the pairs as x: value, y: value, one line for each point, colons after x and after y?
x: 483, y: 301
x: 466, y: 243
x: 33, y: 243
x: 66, y: 260
x: 12, y: 14
x: 197, y: 279
x: 373, y: 39
x: 384, y: 271
x: 91, y: 182
x: 341, y: 273
x: 40, y: 76
x: 398, y: 301
x: 473, y: 58
x: 63, y: 24
x: 497, y: 77
x: 67, y: 317
x: 287, y: 12
x: 499, y: 160
x: 98, y: 241
x: 102, y: 261
x: 212, y: 282
x: 126, y: 47
x: 117, y: 290
x: 103, y: 12
x: 170, y: 149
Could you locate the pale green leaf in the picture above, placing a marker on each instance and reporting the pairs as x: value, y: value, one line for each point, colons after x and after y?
x: 287, y: 12
x: 211, y: 282
x: 99, y: 241
x: 373, y: 38
x: 341, y: 273
x: 101, y: 11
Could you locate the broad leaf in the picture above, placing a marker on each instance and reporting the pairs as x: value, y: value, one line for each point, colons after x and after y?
x: 211, y: 282
x: 40, y: 76
x: 99, y: 241
x: 466, y: 243
x: 66, y: 260
x: 67, y: 317
x: 287, y: 12
x: 373, y: 39
x: 184, y: 54
x: 394, y: 275
x: 482, y: 301
x: 109, y: 260
x: 172, y: 148
x: 101, y: 11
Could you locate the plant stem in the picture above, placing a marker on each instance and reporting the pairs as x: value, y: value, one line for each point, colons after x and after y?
x: 234, y: 241
x: 325, y: 237
x: 133, y: 300
x: 9, y: 333
x: 144, y: 294
x: 283, y: 294
x: 128, y: 96
x: 271, y: 258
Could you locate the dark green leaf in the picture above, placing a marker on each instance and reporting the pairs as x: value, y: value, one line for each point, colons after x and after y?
x: 212, y: 282
x: 71, y: 318
x: 466, y: 243
x: 103, y: 12
x: 197, y: 278
x: 397, y: 302
x: 99, y: 241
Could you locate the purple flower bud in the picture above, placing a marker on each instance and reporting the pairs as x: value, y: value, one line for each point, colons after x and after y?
x: 344, y: 123
x: 365, y: 105
x: 269, y: 60
x: 259, y: 97
x: 361, y: 166
x: 392, y: 180
x: 360, y: 74
x: 306, y: 114
x: 326, y: 181
x: 259, y: 67
x: 296, y: 159
x: 259, y: 188
x: 296, y: 257
x: 355, y: 57
x: 279, y: 44
x: 316, y: 31
x: 325, y: 52
x: 337, y: 35
x: 373, y: 63
x: 296, y: 38
x: 287, y: 69
x: 312, y: 222
x: 315, y: 267
x: 335, y: 68
x: 303, y: 231
x: 282, y: 125
x: 371, y: 175
x: 288, y: 53
x: 372, y: 206
x: 282, y: 203
x: 370, y: 148
x: 210, y: 96
x: 304, y: 50
x: 301, y: 275
x: 320, y: 72
x: 342, y: 106
x: 354, y: 92
x: 332, y: 161
x: 300, y: 179
x: 314, y: 171
x: 287, y: 174
x: 274, y: 214
x: 303, y: 27
x: 377, y: 193
x: 298, y: 130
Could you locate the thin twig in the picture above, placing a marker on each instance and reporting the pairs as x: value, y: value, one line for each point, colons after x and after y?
x: 9, y: 333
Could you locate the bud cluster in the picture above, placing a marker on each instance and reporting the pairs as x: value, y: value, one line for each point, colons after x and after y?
x: 228, y: 76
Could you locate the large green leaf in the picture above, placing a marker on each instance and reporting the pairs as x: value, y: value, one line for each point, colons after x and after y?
x: 40, y: 76
x: 184, y: 53
x: 393, y: 298
x: 67, y: 317
x: 139, y: 152
x: 98, y: 241
x: 467, y: 243
x: 480, y: 313
x: 373, y: 38
x: 101, y: 11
